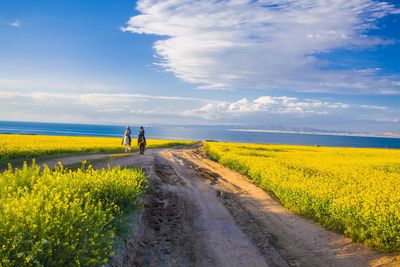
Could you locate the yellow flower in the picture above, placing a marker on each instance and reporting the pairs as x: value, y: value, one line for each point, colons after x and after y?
x: 350, y: 190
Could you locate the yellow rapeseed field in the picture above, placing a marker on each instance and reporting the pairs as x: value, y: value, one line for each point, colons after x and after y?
x: 349, y: 190
x: 13, y: 146
x: 62, y: 217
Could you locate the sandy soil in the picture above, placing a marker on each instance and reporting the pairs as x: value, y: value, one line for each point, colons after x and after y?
x: 199, y: 213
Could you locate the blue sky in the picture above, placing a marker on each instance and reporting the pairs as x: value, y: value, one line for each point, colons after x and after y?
x: 322, y: 64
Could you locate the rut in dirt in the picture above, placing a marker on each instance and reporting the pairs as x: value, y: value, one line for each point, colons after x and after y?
x: 166, y: 234
x: 167, y: 238
x: 184, y: 223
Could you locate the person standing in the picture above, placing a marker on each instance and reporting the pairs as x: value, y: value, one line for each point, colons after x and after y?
x: 141, y: 140
x: 126, y: 140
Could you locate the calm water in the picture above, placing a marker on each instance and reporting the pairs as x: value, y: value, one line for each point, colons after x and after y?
x: 198, y: 133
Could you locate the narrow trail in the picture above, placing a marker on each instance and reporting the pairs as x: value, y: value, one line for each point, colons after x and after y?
x: 199, y: 213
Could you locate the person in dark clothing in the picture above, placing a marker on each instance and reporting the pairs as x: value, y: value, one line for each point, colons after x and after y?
x: 141, y: 140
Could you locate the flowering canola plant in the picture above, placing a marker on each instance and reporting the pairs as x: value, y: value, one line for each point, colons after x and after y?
x: 348, y: 190
x: 13, y: 146
x: 62, y: 217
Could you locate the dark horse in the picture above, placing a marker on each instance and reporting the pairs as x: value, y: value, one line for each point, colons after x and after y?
x: 141, y: 140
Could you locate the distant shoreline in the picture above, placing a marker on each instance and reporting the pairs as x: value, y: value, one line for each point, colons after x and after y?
x: 393, y: 136
x: 292, y: 136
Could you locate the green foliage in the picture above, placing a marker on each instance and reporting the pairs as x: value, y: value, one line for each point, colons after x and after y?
x: 62, y: 217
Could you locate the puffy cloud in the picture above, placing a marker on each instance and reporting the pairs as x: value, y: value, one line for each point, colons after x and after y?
x: 269, y: 104
x: 265, y: 100
x: 264, y: 44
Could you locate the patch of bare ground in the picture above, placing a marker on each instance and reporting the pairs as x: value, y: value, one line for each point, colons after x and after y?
x: 164, y: 236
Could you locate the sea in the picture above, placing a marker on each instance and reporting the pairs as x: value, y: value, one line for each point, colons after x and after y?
x: 215, y: 133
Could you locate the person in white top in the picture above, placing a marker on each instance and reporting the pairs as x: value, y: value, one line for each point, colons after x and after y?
x: 126, y: 140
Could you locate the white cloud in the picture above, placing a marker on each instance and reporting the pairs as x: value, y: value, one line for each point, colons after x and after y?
x: 263, y: 44
x: 16, y: 24
x: 93, y: 107
x: 374, y: 107
x: 387, y: 119
x: 59, y: 84
x: 268, y: 104
x: 96, y: 99
x: 125, y: 108
x: 265, y: 100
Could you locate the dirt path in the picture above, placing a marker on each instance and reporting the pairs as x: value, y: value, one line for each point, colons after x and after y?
x: 74, y: 159
x: 198, y: 213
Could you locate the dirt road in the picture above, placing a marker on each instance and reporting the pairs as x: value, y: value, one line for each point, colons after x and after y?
x: 198, y: 213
